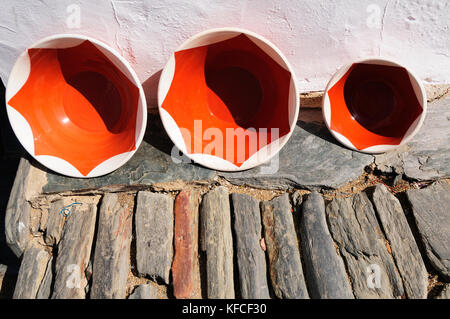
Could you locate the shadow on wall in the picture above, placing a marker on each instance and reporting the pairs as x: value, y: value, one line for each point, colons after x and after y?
x: 150, y: 87
x: 155, y: 134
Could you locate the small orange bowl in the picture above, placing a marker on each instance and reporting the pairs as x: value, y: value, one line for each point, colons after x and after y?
x: 374, y: 105
x: 76, y: 105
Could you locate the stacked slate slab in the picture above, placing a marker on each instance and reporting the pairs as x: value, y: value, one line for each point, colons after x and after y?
x: 324, y: 268
x: 355, y: 229
x: 285, y: 267
x: 250, y: 256
x: 431, y: 211
x: 217, y: 243
x: 17, y: 217
x: 32, y: 271
x: 74, y: 252
x: 185, y: 265
x: 154, y: 235
x: 402, y: 243
x: 112, y: 249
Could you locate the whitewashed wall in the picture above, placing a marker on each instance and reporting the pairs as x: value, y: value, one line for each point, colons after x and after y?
x: 317, y: 36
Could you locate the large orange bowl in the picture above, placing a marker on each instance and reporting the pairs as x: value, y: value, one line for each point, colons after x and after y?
x: 76, y: 105
x: 228, y: 99
x: 374, y: 105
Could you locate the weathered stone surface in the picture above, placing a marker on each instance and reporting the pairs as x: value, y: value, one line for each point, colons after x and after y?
x: 427, y: 155
x: 324, y: 268
x: 355, y: 229
x: 17, y: 216
x: 285, y: 266
x: 152, y: 163
x: 146, y: 291
x: 319, y: 161
x: 32, y: 271
x: 55, y: 222
x: 154, y: 235
x: 185, y: 266
x: 45, y: 288
x: 249, y: 254
x: 445, y: 293
x: 392, y: 162
x: 431, y: 210
x: 217, y: 241
x: 74, y: 250
x: 401, y: 241
x: 112, y: 249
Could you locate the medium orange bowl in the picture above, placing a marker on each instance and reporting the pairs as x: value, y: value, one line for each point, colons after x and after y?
x: 76, y: 105
x: 228, y: 99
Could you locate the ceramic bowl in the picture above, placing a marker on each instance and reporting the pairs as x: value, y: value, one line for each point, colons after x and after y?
x: 374, y: 105
x: 76, y: 105
x: 228, y: 99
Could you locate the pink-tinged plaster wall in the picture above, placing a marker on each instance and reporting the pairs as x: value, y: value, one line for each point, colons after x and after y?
x: 317, y: 36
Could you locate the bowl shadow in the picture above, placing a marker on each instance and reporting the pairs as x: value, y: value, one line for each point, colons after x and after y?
x: 319, y: 130
x: 150, y: 87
